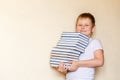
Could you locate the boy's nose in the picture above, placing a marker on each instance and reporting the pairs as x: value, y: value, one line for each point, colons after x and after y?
x: 83, y: 27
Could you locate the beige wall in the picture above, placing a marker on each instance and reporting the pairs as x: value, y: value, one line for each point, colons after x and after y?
x: 30, y: 28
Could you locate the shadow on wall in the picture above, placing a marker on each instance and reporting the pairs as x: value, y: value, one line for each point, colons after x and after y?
x: 99, y: 71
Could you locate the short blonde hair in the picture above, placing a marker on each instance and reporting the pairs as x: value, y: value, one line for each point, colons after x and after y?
x: 86, y: 15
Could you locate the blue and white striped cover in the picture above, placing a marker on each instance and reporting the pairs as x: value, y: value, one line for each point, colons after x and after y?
x: 69, y: 47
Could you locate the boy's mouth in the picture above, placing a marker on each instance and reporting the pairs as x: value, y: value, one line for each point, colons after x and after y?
x: 81, y: 31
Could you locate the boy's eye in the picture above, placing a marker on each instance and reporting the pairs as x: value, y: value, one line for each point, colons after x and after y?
x: 86, y: 25
x: 79, y: 25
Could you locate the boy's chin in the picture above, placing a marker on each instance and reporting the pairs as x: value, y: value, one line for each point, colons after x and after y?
x: 81, y: 32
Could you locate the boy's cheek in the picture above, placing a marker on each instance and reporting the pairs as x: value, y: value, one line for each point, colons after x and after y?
x: 78, y: 30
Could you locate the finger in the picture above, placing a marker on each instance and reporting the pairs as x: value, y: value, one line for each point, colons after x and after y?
x: 65, y: 67
x: 57, y: 67
x: 70, y: 62
x: 61, y: 63
x: 60, y: 69
x: 69, y: 68
x: 61, y: 66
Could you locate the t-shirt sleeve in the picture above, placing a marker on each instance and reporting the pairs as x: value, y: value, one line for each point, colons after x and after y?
x: 97, y: 45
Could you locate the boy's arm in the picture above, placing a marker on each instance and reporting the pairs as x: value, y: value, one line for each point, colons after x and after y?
x: 96, y: 62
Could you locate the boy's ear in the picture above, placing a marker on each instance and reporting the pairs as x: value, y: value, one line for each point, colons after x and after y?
x: 93, y: 29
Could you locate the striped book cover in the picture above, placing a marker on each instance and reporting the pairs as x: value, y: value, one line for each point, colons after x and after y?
x: 75, y: 45
x: 75, y: 34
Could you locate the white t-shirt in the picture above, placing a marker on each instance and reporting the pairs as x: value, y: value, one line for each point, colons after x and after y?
x: 86, y: 72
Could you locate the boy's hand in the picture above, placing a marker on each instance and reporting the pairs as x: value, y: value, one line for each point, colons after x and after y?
x: 62, y: 68
x: 74, y: 66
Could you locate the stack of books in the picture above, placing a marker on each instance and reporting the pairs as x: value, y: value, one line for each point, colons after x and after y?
x: 68, y: 48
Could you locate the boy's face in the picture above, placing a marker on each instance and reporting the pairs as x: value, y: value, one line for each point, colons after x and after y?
x: 85, y: 26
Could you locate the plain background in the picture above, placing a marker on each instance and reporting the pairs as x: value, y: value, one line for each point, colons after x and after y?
x: 30, y: 28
